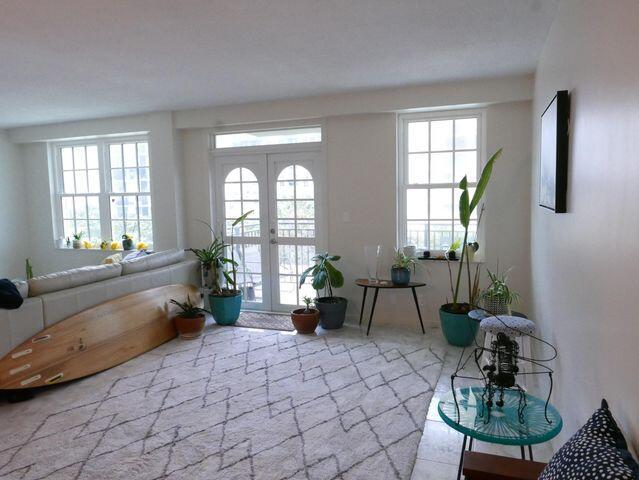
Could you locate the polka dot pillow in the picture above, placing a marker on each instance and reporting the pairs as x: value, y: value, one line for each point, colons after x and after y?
x: 597, y: 451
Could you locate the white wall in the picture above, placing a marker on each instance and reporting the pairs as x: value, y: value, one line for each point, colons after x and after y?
x: 584, y: 262
x: 166, y: 184
x: 361, y: 169
x: 14, y: 241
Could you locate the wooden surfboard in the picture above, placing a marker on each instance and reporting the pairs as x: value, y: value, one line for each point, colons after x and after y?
x: 94, y: 340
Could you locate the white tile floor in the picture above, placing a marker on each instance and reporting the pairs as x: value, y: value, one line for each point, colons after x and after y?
x: 440, y: 446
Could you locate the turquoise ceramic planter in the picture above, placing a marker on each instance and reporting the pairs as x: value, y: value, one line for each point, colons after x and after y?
x: 459, y: 329
x: 225, y: 310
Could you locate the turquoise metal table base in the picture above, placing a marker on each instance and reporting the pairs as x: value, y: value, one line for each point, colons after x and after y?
x: 470, y: 416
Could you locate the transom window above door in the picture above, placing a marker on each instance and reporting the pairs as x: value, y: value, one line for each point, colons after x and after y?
x: 260, y: 138
x: 436, y: 152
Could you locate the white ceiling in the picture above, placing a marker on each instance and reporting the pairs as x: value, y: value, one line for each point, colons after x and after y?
x: 77, y: 59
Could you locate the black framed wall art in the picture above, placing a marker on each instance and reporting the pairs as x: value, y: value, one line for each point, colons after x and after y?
x: 553, y: 172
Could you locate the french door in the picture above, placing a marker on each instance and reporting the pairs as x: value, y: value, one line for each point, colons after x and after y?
x: 278, y: 240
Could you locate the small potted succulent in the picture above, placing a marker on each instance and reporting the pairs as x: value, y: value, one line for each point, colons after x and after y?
x: 326, y: 277
x: 127, y: 242
x: 190, y: 319
x: 77, y: 240
x: 104, y: 245
x: 400, y: 271
x: 305, y: 320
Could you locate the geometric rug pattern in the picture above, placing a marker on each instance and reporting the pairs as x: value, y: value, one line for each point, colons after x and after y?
x: 234, y: 404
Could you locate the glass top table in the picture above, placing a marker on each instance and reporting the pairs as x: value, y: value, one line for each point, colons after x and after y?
x: 504, y: 426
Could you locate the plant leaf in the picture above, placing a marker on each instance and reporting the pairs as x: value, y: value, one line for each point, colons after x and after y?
x: 228, y: 278
x: 319, y: 280
x: 336, y: 277
x: 305, y: 274
x: 483, y: 180
x: 464, y: 209
x: 242, y: 218
x: 333, y: 258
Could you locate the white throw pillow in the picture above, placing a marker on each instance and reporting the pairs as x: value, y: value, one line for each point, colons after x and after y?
x: 153, y: 261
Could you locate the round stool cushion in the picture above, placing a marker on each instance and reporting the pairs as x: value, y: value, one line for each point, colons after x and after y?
x: 511, y: 326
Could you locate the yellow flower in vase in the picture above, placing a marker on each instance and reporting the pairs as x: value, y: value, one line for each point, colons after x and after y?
x: 142, y: 246
x: 115, y: 246
x: 87, y: 244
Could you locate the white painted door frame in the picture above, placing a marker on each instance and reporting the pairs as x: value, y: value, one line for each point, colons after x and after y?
x: 272, y: 159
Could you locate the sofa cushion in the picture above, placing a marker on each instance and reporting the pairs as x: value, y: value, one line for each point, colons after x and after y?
x: 150, y: 262
x: 72, y: 278
x: 597, y: 450
x: 60, y: 305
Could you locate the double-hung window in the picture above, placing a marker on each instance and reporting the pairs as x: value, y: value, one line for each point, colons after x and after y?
x: 103, y: 190
x: 436, y: 151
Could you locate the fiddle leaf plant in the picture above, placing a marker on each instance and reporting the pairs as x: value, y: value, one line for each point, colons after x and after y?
x: 325, y: 275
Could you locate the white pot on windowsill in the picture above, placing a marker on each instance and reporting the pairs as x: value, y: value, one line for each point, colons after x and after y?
x: 77, y: 244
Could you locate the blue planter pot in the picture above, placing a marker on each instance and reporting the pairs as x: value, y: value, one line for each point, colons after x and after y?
x: 400, y: 276
x: 458, y: 328
x: 225, y: 310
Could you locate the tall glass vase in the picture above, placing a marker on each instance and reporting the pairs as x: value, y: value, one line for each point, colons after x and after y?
x: 373, y: 256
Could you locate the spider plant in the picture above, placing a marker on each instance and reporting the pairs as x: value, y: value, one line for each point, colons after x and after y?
x: 187, y: 309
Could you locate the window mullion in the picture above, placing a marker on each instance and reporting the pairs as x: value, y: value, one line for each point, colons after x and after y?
x: 105, y: 198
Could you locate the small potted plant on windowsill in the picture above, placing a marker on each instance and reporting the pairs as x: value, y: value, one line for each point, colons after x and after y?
x: 305, y: 320
x: 458, y: 328
x: 77, y: 240
x: 127, y: 242
x: 400, y: 271
x: 326, y: 277
x: 190, y: 319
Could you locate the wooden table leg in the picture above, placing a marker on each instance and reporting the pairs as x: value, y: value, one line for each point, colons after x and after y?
x: 361, y: 313
x: 418, y: 311
x: 461, y: 458
x: 370, y: 320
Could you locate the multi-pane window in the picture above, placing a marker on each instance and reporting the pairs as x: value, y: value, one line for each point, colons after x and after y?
x: 104, y: 190
x: 80, y: 177
x: 436, y: 153
x: 130, y: 179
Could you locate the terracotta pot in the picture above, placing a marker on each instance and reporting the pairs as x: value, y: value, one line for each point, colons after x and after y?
x: 305, y: 322
x: 189, y: 328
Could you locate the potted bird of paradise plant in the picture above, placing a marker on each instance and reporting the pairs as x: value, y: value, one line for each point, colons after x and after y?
x: 458, y: 328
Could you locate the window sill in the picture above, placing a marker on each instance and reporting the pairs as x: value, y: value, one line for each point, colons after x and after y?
x: 477, y: 260
x: 71, y: 249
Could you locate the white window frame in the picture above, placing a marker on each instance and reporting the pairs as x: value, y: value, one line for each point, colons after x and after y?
x: 106, y: 192
x: 402, y: 162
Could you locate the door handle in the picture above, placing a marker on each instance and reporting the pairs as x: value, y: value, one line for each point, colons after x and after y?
x: 273, y: 241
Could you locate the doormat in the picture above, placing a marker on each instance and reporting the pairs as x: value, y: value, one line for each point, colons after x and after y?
x: 267, y: 321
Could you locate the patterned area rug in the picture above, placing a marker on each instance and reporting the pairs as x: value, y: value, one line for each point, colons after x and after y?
x: 235, y: 404
x: 268, y: 321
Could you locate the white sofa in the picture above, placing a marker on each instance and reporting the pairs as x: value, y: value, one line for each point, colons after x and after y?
x: 57, y: 296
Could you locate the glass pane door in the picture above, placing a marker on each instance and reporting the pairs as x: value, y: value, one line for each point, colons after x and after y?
x: 293, y: 215
x: 242, y: 188
x: 277, y: 241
